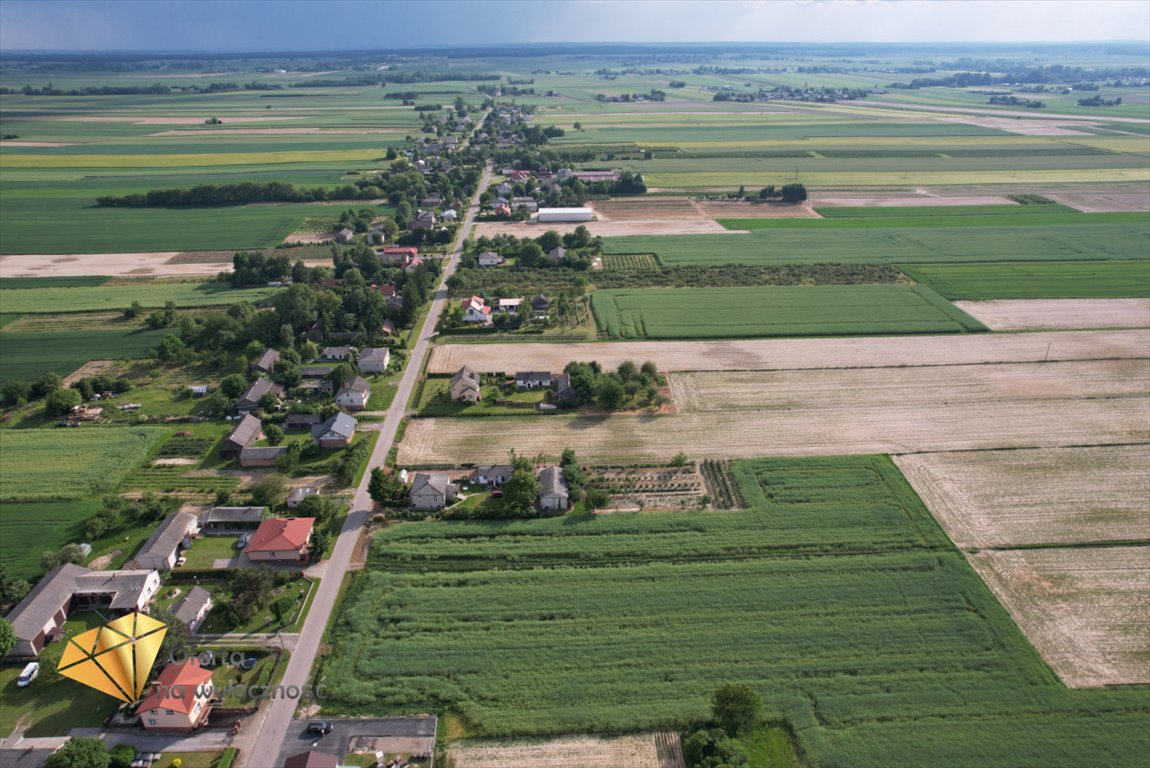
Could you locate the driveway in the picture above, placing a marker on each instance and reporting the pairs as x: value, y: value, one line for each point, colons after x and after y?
x: 401, y: 734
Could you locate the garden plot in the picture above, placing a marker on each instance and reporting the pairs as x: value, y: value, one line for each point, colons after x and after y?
x: 1048, y: 314
x: 793, y: 354
x: 640, y: 751
x: 1084, y: 609
x: 1036, y: 497
x: 650, y: 488
x: 827, y: 412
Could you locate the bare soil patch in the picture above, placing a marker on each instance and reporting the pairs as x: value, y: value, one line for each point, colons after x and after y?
x: 1042, y: 314
x: 1044, y: 496
x: 283, y: 132
x: 1022, y: 126
x: 154, y: 264
x: 1084, y: 609
x: 180, y: 120
x: 177, y: 462
x: 16, y: 143
x: 90, y: 368
x: 922, y: 198
x: 739, y: 209
x: 646, y: 208
x: 637, y: 751
x: 829, y: 412
x: 695, y: 226
x: 795, y: 354
x: 1103, y: 202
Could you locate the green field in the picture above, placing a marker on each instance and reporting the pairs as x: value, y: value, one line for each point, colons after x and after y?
x: 823, y: 310
x: 64, y: 464
x: 815, y: 243
x: 838, y: 598
x: 29, y: 355
x: 1036, y: 280
x: 32, y: 528
x: 939, y: 216
x: 120, y: 294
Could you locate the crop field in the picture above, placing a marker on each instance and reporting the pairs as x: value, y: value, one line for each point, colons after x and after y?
x: 1002, y: 499
x: 1035, y: 280
x: 821, y: 412
x: 29, y: 355
x: 897, y: 245
x: 638, y: 751
x: 30, y: 529
x: 120, y: 294
x: 63, y: 464
x: 1083, y: 608
x: 791, y: 354
x: 1046, y: 314
x: 935, y: 217
x: 674, y: 313
x: 837, y: 597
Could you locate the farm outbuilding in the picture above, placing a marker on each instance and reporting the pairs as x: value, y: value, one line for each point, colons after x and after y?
x: 565, y: 214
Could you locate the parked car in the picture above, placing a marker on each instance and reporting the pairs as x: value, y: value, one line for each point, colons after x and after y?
x: 27, y: 675
x: 243, y: 541
x: 320, y: 727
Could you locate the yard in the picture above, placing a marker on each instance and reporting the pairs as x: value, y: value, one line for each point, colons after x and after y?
x: 298, y: 590
x: 206, y: 550
x: 495, y: 400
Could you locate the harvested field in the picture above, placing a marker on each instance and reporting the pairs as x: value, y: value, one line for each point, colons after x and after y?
x: 827, y: 412
x: 1004, y: 499
x: 1086, y: 610
x: 1102, y: 202
x: 901, y: 201
x: 742, y: 210
x: 282, y: 132
x: 183, y: 120
x: 639, y: 751
x: 696, y: 226
x: 796, y: 354
x: 647, y: 208
x: 1024, y: 127
x: 1043, y: 314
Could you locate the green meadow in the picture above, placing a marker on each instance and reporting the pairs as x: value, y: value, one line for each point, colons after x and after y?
x: 1036, y: 280
x: 763, y: 311
x: 120, y: 294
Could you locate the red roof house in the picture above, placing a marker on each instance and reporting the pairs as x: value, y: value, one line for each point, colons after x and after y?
x: 179, y: 698
x: 281, y: 539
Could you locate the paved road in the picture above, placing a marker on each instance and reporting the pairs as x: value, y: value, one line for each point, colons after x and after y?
x: 263, y: 733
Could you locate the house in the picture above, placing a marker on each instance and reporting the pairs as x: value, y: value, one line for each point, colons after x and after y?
x: 180, y: 699
x: 38, y: 617
x: 388, y: 328
x: 312, y: 759
x: 490, y: 259
x: 280, y: 539
x: 423, y: 220
x: 387, y: 290
x: 266, y: 362
x: 493, y: 475
x: 373, y: 359
x: 509, y: 306
x: 502, y: 209
x: 450, y: 216
x: 412, y: 264
x: 297, y: 495
x: 565, y: 214
x: 518, y: 177
x: 335, y: 354
x: 464, y: 385
x: 565, y: 393
x: 540, y: 306
x: 171, y: 536
x: 396, y: 255
x: 527, y: 203
x: 194, y: 607
x: 475, y: 310
x: 250, y: 400
x: 596, y: 176
x: 336, y: 432
x: 260, y: 456
x: 432, y: 201
x: 117, y: 591
x: 532, y: 379
x: 244, y: 434
x: 294, y: 421
x: 225, y: 520
x: 557, y: 254
x: 503, y: 189
x: 553, y: 489
x: 314, y: 371
x: 354, y: 394
x: 432, y: 490
x: 344, y: 235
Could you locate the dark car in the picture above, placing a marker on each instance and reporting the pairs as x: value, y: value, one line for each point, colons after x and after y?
x: 320, y: 727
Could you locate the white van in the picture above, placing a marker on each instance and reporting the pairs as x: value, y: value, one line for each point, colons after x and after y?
x: 28, y: 675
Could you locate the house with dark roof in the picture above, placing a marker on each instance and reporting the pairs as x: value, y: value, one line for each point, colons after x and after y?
x: 250, y: 400
x: 226, y: 520
x: 389, y: 327
x: 540, y: 306
x: 533, y: 379
x: 297, y: 495
x: 242, y: 435
x: 180, y: 699
x: 354, y: 394
x: 193, y: 607
x: 432, y: 490
x: 336, y: 432
x: 344, y: 235
x: 553, y: 496
x: 261, y: 456
x: 306, y: 421
x: 373, y: 359
x: 171, y: 536
x: 464, y: 385
x: 557, y: 254
x: 37, y: 618
x: 335, y: 354
x: 423, y: 220
x: 280, y: 540
x: 565, y: 393
x: 266, y: 362
x: 493, y: 475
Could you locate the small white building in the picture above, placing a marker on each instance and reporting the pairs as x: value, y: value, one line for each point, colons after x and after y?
x: 490, y: 259
x: 565, y: 214
x: 475, y: 310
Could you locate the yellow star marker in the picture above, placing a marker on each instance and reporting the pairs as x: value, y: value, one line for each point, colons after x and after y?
x: 116, y: 658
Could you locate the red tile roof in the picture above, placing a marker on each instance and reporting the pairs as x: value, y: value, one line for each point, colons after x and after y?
x: 280, y: 534
x: 178, y: 686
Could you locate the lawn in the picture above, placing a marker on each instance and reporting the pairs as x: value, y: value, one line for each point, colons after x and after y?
x: 837, y: 310
x: 32, y: 528
x: 53, y: 705
x: 206, y: 550
x: 216, y: 622
x: 836, y: 596
x: 495, y: 400
x: 120, y: 294
x: 64, y: 464
x: 1036, y: 280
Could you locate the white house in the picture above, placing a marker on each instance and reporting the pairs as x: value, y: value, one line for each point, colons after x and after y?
x: 553, y: 489
x: 373, y: 359
x: 475, y: 310
x: 490, y: 259
x: 180, y: 699
x: 432, y: 491
x: 354, y: 394
x: 508, y: 305
x: 533, y: 379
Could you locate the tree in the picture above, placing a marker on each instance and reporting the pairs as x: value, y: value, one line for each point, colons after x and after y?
x: 12, y: 590
x: 268, y: 492
x: 736, y: 708
x: 530, y: 255
x: 80, y: 753
x: 627, y: 370
x: 133, y: 310
x: 610, y: 393
x: 713, y: 749
x: 177, y: 640
x: 61, y: 402
x: 794, y: 193
x: 767, y: 192
x: 14, y: 392
x: 274, y: 434
x: 520, y: 492
x: 385, y: 487
x: 234, y: 385
x: 46, y: 384
x: 7, y: 637
x: 549, y: 240
x: 596, y: 498
x: 742, y: 192
x: 650, y: 370
x: 249, y: 589
x: 122, y: 756
x: 69, y: 553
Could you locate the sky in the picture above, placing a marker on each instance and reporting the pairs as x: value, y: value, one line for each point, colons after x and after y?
x: 329, y: 25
